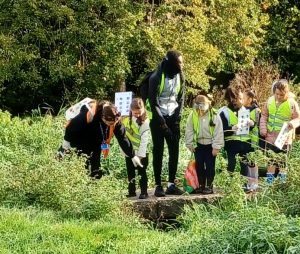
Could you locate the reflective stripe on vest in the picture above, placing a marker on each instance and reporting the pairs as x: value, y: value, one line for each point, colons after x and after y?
x: 161, y: 88
x: 196, y: 125
x: 278, y: 115
x: 233, y: 120
x: 132, y: 133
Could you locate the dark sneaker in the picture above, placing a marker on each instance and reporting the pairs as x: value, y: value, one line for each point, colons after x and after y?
x: 208, y: 190
x: 130, y: 195
x: 159, y: 191
x: 174, y: 190
x: 143, y: 196
x: 199, y: 190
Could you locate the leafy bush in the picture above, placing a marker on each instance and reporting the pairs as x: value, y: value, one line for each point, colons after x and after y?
x: 31, y: 175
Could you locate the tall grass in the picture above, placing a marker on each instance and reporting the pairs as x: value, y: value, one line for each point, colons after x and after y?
x: 51, y: 206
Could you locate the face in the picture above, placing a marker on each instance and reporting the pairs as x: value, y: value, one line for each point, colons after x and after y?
x: 180, y: 63
x: 137, y: 112
x: 238, y: 102
x: 247, y: 101
x: 280, y: 96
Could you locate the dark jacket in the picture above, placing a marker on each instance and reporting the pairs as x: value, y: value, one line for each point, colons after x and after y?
x: 88, y: 137
x: 233, y: 145
x: 154, y: 83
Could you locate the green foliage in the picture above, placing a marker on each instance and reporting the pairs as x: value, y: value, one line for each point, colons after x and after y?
x: 50, y: 206
x: 236, y: 29
x: 55, y: 51
x: 283, y: 36
x: 59, y: 51
x: 31, y: 175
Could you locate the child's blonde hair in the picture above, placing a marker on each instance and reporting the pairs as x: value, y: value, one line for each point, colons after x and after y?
x: 202, y: 99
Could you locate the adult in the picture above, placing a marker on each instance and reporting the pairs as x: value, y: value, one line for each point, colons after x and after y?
x: 90, y: 133
x: 166, y: 98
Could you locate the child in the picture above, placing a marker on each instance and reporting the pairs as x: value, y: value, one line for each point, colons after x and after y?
x: 137, y: 131
x: 204, y: 137
x: 235, y: 144
x: 251, y: 104
x: 279, y: 109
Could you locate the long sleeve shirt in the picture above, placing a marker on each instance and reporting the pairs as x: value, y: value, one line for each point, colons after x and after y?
x: 205, y: 137
x: 271, y: 136
x: 87, y: 134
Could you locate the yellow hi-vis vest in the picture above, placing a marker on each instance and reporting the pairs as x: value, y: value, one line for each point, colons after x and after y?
x: 233, y: 120
x: 161, y: 88
x: 278, y: 115
x: 132, y: 132
x: 254, y: 133
x: 196, y: 124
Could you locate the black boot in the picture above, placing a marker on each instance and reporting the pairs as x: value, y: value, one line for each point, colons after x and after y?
x: 208, y: 190
x: 144, y: 187
x: 96, y: 174
x: 131, y: 189
x: 159, y: 191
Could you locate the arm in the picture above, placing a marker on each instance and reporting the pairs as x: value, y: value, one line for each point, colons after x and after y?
x: 263, y: 125
x: 123, y: 141
x: 145, y: 133
x: 218, y: 138
x: 153, y: 97
x: 189, y: 132
x: 295, y: 122
x: 228, y: 131
x: 180, y: 99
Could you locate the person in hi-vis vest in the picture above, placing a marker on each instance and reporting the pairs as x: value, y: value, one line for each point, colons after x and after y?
x: 137, y: 131
x: 235, y: 144
x: 166, y: 97
x: 251, y: 104
x: 279, y: 109
x: 90, y: 133
x: 204, y: 138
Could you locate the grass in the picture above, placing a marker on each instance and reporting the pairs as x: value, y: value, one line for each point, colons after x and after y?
x: 51, y: 206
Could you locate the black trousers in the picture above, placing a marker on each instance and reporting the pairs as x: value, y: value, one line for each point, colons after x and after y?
x: 141, y: 172
x: 158, y: 139
x: 205, y: 164
x: 92, y: 163
x: 232, y: 161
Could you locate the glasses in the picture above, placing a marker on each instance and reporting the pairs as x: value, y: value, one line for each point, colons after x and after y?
x: 201, y: 106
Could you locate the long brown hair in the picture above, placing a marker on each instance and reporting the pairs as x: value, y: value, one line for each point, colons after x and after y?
x: 108, y: 111
x: 138, y: 104
x: 251, y: 94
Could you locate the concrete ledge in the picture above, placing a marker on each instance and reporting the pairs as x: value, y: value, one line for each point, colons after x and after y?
x: 170, y: 206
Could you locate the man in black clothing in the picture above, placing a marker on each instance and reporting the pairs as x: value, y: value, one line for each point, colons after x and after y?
x: 90, y: 133
x: 166, y: 97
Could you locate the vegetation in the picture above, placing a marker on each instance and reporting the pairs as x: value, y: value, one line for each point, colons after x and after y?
x: 57, y: 51
x: 51, y: 206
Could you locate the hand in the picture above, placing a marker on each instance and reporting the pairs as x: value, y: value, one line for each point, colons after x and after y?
x: 192, y: 149
x: 290, y: 125
x: 215, y: 151
x: 136, y: 161
x: 61, y: 152
x: 263, y: 133
x: 167, y: 131
x: 235, y: 127
x: 250, y: 123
